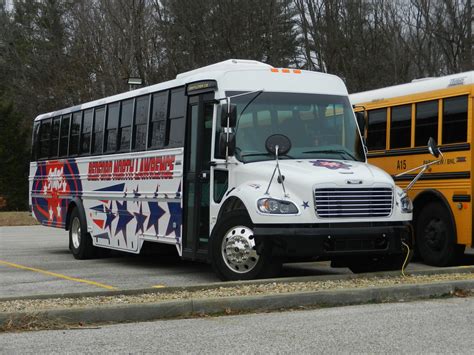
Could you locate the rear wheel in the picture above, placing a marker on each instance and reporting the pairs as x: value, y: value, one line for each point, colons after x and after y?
x: 235, y: 253
x: 435, y: 236
x: 80, y: 242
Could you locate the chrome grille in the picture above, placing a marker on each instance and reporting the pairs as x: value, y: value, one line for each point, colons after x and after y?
x: 355, y: 202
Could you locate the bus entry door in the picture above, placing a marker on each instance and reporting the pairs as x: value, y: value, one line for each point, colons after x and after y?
x: 197, y: 176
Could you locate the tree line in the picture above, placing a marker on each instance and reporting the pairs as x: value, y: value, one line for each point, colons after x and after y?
x: 58, y: 53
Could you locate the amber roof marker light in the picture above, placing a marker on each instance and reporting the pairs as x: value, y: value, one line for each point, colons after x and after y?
x: 285, y: 70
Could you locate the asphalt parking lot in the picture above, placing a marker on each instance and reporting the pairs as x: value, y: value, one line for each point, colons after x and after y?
x: 36, y: 260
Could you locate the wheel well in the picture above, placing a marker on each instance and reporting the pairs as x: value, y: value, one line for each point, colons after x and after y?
x: 70, y: 208
x: 231, y: 204
x: 427, y: 197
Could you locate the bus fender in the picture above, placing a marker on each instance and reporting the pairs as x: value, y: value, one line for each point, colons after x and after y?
x: 230, y: 203
x: 241, y: 197
x: 76, y: 202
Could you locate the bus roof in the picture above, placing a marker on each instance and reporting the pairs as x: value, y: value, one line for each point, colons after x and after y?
x: 234, y: 75
x: 415, y: 87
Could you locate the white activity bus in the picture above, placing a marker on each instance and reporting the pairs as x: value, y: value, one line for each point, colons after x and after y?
x: 238, y: 163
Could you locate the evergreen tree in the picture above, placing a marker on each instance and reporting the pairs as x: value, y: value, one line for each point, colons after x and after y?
x: 14, y: 153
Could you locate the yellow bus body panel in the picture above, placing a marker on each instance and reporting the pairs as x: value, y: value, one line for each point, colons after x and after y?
x: 457, y: 162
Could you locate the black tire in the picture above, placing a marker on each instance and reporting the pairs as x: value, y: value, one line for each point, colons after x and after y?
x: 81, y: 247
x: 262, y: 267
x: 380, y: 263
x: 435, y: 236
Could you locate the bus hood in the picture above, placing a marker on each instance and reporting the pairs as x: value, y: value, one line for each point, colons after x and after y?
x: 342, y: 173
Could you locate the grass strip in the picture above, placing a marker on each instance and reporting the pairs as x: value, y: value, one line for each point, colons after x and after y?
x: 35, y: 305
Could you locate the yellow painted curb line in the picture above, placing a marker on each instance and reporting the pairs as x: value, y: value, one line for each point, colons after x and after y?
x: 61, y: 276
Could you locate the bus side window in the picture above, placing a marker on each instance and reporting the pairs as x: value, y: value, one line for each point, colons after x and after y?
x: 454, y: 120
x: 35, y: 145
x: 98, y: 130
x: 113, y: 111
x: 221, y: 184
x: 64, y: 135
x: 45, y: 135
x: 158, y: 120
x: 125, y: 130
x: 75, y: 133
x: 333, y: 123
x: 86, y: 131
x: 400, y: 127
x: 140, y: 123
x: 426, y: 122
x: 177, y: 122
x: 55, y: 137
x: 377, y: 129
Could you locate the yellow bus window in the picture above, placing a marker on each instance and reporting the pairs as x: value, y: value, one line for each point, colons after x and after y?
x: 400, y: 127
x: 377, y: 129
x: 454, y: 120
x: 426, y: 125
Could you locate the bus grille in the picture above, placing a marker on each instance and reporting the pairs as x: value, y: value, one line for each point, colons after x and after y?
x: 361, y: 202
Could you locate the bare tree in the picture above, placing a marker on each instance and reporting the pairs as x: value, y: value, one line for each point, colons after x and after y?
x: 57, y: 53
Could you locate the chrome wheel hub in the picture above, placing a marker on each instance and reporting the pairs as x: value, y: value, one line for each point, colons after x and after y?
x: 76, y: 233
x: 238, y: 249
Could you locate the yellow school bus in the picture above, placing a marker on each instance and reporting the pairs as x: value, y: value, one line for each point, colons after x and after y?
x: 399, y: 121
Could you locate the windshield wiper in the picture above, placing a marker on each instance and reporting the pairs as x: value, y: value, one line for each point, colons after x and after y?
x: 337, y: 151
x: 264, y: 154
x: 253, y: 154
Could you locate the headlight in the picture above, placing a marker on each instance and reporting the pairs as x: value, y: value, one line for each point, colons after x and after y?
x: 405, y: 204
x: 270, y: 205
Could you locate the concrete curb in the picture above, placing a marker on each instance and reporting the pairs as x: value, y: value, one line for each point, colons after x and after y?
x: 129, y: 292
x: 229, y: 305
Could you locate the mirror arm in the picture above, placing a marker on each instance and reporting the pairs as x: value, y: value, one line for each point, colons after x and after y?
x: 280, y: 176
x: 228, y: 98
x: 413, y: 182
x: 418, y: 176
x: 274, y: 170
x: 238, y: 95
x: 421, y: 166
x: 277, y: 167
x: 227, y: 133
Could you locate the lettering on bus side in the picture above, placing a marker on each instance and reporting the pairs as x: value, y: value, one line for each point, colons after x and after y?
x: 401, y: 164
x: 446, y: 161
x: 161, y: 167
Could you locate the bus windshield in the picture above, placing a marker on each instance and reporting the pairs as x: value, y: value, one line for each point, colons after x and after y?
x: 319, y: 126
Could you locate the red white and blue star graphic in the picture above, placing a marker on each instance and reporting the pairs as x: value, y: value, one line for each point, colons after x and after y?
x: 156, y: 212
x: 54, y: 184
x: 124, y: 218
x: 116, y: 220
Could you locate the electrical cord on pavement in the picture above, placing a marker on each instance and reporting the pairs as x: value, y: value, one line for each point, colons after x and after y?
x: 406, y: 258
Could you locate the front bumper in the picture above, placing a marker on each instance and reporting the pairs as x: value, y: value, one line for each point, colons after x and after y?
x: 336, y: 239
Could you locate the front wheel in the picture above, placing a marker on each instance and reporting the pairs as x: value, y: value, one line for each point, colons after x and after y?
x: 436, y: 237
x: 235, y: 254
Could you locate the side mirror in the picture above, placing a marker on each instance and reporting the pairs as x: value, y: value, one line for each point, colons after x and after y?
x: 278, y: 140
x: 433, y: 148
x: 360, y: 117
x: 232, y: 115
x: 223, y: 144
